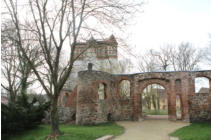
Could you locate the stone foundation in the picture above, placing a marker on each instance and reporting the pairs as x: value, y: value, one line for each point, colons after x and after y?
x: 66, y: 114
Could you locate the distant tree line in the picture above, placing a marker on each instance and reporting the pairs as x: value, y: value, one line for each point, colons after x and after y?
x: 183, y: 57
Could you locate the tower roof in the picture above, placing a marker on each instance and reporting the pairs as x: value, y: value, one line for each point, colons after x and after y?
x: 112, y: 39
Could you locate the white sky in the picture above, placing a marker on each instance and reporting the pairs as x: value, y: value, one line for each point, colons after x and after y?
x: 171, y: 22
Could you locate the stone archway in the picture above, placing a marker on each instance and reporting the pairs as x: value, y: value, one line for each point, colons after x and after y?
x: 166, y: 85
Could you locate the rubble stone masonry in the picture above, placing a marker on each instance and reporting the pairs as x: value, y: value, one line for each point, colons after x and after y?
x: 200, y: 107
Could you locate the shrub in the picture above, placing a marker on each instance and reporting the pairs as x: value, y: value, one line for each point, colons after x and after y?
x: 21, y: 115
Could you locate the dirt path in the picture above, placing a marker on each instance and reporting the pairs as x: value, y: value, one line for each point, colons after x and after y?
x: 149, y: 129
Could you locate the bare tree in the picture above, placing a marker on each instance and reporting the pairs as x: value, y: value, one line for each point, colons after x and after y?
x: 146, y: 63
x: 56, y: 23
x: 9, y: 66
x: 162, y: 57
x: 186, y: 57
x: 207, y: 53
x: 14, y: 67
x: 180, y: 58
x: 155, y: 60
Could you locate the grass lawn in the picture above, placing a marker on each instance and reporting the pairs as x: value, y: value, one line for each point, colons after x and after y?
x: 195, y: 131
x: 72, y: 132
x: 156, y: 112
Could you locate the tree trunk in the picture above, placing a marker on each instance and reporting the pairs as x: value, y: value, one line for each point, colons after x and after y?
x: 148, y: 98
x: 54, y: 118
x: 12, y: 97
x: 158, y: 103
x: 158, y: 100
x: 154, y: 101
x: 24, y: 86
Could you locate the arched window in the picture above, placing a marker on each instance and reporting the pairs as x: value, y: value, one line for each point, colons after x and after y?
x: 178, y: 106
x: 178, y: 88
x: 154, y: 100
x: 102, y: 91
x: 124, y: 89
x: 201, y: 85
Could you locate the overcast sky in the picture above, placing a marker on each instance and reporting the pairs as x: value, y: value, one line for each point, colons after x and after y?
x: 171, y: 22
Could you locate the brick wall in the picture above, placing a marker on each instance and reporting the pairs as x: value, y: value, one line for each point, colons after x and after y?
x: 127, y: 109
x: 92, y: 110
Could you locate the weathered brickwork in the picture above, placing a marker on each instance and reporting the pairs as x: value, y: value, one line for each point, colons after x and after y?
x: 200, y: 107
x: 90, y: 109
x: 67, y: 106
x: 126, y: 108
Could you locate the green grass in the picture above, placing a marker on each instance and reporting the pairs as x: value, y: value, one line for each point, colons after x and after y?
x: 195, y: 131
x: 156, y: 112
x: 72, y: 132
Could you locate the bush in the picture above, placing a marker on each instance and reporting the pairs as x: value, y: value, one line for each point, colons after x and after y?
x: 21, y: 115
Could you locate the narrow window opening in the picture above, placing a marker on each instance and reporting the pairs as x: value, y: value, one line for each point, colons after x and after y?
x: 102, y: 91
x: 124, y: 89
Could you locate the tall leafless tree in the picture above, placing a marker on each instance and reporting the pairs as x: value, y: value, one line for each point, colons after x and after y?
x: 162, y: 57
x: 15, y: 69
x: 146, y: 63
x: 178, y: 58
x: 55, y: 23
x: 186, y: 57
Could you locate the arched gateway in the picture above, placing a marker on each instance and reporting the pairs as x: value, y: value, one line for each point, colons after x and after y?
x: 90, y: 109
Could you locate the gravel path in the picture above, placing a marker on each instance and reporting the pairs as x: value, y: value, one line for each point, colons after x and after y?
x: 152, y: 128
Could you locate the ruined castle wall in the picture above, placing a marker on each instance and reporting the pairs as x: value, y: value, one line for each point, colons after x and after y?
x: 127, y: 109
x: 92, y: 110
x: 200, y: 107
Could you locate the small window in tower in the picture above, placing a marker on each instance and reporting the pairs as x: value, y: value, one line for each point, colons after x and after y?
x: 101, y: 51
x: 111, y: 51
